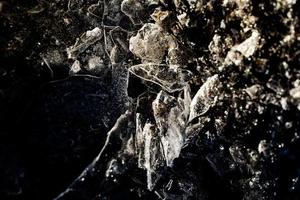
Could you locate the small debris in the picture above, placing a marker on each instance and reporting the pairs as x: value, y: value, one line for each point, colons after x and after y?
x: 75, y: 68
x: 85, y: 41
x: 96, y: 63
x: 243, y: 50
x: 253, y: 91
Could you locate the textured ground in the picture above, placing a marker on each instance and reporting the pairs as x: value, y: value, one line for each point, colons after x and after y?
x: 149, y: 99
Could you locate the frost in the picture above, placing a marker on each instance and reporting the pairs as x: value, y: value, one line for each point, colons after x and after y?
x: 205, y: 97
x: 151, y: 43
x: 242, y: 120
x: 248, y: 47
x: 169, y: 78
x: 157, y: 145
x: 196, y: 4
x: 96, y: 32
x: 263, y: 147
x: 96, y: 63
x: 171, y: 117
x: 85, y: 41
x: 148, y: 151
x: 295, y: 94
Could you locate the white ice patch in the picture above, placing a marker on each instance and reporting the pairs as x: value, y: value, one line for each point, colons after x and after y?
x: 205, y: 97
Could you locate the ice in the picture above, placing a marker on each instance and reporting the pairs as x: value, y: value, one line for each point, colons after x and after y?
x: 205, y: 97
x: 170, y: 117
x: 148, y: 151
x: 151, y: 43
x: 169, y: 78
x: 96, y: 32
x: 96, y: 63
x: 159, y: 143
x: 86, y: 40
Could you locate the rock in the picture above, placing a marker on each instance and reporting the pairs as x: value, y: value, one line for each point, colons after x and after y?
x: 254, y: 91
x: 243, y: 50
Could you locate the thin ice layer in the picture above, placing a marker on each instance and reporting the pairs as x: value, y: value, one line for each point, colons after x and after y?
x: 157, y: 145
x: 171, y: 116
x: 148, y: 151
x: 169, y: 78
x: 151, y: 43
x: 205, y: 97
x: 85, y: 41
